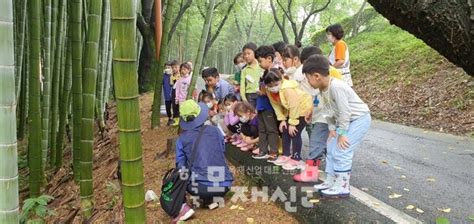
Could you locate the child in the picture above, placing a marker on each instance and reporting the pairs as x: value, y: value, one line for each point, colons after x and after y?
x: 279, y: 49
x: 214, y: 84
x: 167, y: 87
x: 209, y: 152
x: 339, y: 56
x: 239, y: 65
x: 248, y: 117
x: 267, y: 122
x: 317, y: 128
x: 348, y: 119
x: 183, y: 83
x: 250, y: 75
x: 231, y: 120
x: 291, y: 106
x: 292, y: 63
x: 173, y: 79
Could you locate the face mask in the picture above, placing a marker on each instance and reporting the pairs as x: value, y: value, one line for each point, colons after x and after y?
x: 228, y: 108
x: 168, y: 71
x: 244, y: 119
x: 330, y: 38
x: 274, y: 89
x: 209, y: 105
x: 290, y: 70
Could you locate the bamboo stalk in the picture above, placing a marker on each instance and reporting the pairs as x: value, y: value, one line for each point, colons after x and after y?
x: 35, y: 159
x: 105, y: 40
x: 9, y: 204
x: 89, y: 79
x: 76, y: 47
x: 123, y: 15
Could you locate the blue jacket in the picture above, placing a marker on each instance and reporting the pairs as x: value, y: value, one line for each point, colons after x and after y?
x: 209, y: 159
x: 167, y: 87
x: 223, y: 88
x: 263, y: 102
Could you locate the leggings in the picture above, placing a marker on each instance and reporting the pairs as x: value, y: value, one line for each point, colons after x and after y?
x: 175, y: 105
x: 293, y: 141
x: 168, y: 108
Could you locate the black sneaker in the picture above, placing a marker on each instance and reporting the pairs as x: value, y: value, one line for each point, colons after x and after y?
x: 170, y: 122
x: 261, y: 155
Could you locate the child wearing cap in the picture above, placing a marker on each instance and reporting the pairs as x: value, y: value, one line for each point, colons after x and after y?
x: 348, y: 119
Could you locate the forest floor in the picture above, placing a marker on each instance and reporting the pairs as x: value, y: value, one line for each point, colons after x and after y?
x: 107, y: 195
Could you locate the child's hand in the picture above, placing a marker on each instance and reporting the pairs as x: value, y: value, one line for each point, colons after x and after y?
x: 332, y: 134
x: 343, y: 142
x: 212, y: 113
x: 309, y: 118
x: 283, y: 126
x: 292, y: 130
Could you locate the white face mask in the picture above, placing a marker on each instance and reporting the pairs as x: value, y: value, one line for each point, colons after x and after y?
x: 228, y: 108
x: 244, y: 119
x: 274, y: 89
x: 209, y: 105
x: 240, y: 66
x: 168, y: 71
x: 290, y: 70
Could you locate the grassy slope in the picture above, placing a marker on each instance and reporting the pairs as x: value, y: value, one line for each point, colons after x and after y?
x: 405, y: 81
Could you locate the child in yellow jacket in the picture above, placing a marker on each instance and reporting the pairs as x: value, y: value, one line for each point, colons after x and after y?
x: 291, y: 105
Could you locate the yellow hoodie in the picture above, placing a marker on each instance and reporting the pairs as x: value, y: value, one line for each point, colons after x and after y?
x: 293, y: 104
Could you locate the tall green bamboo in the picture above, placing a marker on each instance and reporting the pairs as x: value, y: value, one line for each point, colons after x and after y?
x: 48, y: 45
x: 56, y: 78
x: 64, y: 107
x: 164, y: 51
x: 202, y: 46
x: 20, y: 44
x: 75, y: 30
x: 89, y: 79
x: 124, y: 31
x: 35, y: 159
x: 8, y: 143
x: 105, y: 40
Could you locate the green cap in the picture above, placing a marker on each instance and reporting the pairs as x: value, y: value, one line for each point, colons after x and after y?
x: 189, y: 108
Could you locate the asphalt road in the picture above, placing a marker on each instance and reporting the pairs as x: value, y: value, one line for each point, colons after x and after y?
x: 430, y: 171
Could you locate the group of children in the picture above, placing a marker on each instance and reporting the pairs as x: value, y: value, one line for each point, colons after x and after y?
x: 281, y: 91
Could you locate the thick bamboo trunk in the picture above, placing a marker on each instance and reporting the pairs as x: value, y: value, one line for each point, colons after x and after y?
x: 164, y: 51
x: 8, y: 144
x: 123, y: 15
x: 35, y: 158
x: 20, y: 44
x: 89, y: 79
x: 202, y: 46
x: 75, y: 30
x: 56, y: 86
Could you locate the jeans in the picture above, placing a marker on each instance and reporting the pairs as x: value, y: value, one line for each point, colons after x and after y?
x: 175, y: 105
x: 340, y: 160
x: 293, y: 141
x: 252, y: 99
x: 268, y: 131
x: 318, y: 140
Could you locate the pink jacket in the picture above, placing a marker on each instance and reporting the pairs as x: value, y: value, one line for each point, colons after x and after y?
x: 230, y: 118
x: 182, y: 86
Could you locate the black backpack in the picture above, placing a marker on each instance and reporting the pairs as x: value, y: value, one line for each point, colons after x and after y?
x: 175, y: 182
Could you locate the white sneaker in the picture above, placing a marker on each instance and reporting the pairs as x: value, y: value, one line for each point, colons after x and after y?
x: 294, y: 164
x: 281, y: 160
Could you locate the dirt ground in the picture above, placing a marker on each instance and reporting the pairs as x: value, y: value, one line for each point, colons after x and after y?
x: 107, y: 193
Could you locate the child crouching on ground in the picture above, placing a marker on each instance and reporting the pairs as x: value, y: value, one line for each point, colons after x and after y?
x: 248, y: 117
x: 348, y: 119
x: 292, y: 105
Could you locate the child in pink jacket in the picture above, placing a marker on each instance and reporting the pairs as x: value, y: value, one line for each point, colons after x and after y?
x: 183, y: 83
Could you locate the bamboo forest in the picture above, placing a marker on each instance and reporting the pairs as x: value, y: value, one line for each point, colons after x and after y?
x: 106, y: 104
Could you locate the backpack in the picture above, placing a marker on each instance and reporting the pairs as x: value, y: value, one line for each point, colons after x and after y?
x: 175, y: 183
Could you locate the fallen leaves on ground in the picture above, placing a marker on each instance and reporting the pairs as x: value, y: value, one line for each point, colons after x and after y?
x: 403, y: 177
x: 365, y: 189
x: 431, y: 179
x: 420, y: 211
x: 445, y: 210
x: 250, y: 220
x: 314, y: 201
x: 410, y: 207
x: 406, y: 189
x: 394, y: 196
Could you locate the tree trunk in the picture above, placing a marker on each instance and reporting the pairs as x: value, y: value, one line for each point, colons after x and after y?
x: 35, y: 159
x: 8, y: 144
x: 202, y: 46
x: 123, y: 15
x: 446, y: 26
x: 75, y: 30
x: 89, y: 79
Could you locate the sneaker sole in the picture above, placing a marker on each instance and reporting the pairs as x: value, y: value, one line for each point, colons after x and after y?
x: 187, y: 215
x: 259, y: 157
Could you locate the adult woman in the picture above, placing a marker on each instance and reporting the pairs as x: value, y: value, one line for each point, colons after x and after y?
x: 339, y: 56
